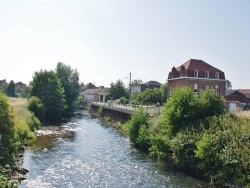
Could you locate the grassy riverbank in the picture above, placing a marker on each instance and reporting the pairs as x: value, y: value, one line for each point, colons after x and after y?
x: 17, y: 132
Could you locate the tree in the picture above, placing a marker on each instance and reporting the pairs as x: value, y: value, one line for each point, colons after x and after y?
x: 47, y: 87
x: 70, y: 82
x: 6, y: 131
x: 228, y: 85
x: 181, y: 108
x: 211, y: 103
x: 36, y: 106
x: 3, y: 87
x: 136, y: 81
x: 118, y: 90
x: 11, y: 92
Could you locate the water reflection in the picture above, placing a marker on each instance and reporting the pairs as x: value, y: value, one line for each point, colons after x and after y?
x: 96, y: 155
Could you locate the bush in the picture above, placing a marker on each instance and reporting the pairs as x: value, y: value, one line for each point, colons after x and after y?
x: 6, y: 131
x: 138, y: 119
x: 36, y: 106
x: 100, y: 111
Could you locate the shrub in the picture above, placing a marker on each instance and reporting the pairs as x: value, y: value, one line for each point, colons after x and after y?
x: 138, y: 119
x: 100, y: 111
x: 36, y: 106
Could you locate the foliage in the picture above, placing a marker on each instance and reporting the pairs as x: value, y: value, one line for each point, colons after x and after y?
x: 47, y: 87
x: 195, y: 134
x: 10, y: 90
x: 78, y: 102
x: 16, y: 127
x: 25, y: 92
x: 136, y: 82
x: 3, y: 87
x: 150, y: 96
x: 123, y: 100
x: 6, y: 131
x: 211, y: 104
x: 181, y: 109
x: 138, y: 119
x: 36, y: 106
x: 229, y: 85
x: 100, y: 111
x: 70, y: 82
x: 118, y: 90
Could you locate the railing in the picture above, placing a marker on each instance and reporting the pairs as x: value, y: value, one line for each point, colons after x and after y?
x: 152, y: 110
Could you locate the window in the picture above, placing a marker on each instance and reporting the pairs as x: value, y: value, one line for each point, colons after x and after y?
x: 217, y: 75
x: 196, y: 73
x: 206, y: 74
x: 170, y: 89
x: 217, y: 89
x: 196, y: 88
x: 206, y: 86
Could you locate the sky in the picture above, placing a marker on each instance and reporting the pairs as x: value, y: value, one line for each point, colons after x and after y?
x: 105, y: 40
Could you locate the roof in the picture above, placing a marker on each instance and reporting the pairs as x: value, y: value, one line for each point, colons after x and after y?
x: 88, y: 86
x: 245, y: 92
x: 20, y: 83
x: 152, y: 82
x: 195, y: 64
x: 229, y: 92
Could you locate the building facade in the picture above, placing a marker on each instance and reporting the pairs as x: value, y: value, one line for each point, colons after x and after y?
x: 199, y: 75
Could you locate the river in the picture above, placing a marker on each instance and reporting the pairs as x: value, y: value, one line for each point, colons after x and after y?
x: 94, y: 154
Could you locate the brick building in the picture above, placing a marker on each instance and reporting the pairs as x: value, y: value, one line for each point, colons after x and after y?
x: 197, y: 74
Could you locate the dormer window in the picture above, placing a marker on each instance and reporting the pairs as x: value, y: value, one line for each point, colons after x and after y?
x: 196, y: 73
x: 217, y: 75
x: 206, y: 74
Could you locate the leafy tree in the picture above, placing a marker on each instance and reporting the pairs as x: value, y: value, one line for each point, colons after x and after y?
x: 229, y: 85
x: 118, y: 90
x: 134, y: 126
x: 6, y: 131
x: 181, y: 108
x: 70, y: 82
x: 25, y: 92
x: 164, y: 92
x: 210, y: 103
x: 150, y: 96
x: 11, y: 92
x: 47, y: 87
x: 3, y: 87
x: 36, y: 106
x: 136, y: 81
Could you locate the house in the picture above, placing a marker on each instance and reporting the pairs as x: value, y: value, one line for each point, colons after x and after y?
x: 88, y: 86
x: 19, y: 86
x: 197, y: 74
x: 3, y: 82
x: 94, y: 94
x: 142, y: 87
x: 91, y: 95
x: 246, y: 92
x: 235, y: 99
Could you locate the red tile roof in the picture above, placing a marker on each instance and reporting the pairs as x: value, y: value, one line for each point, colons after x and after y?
x: 195, y: 64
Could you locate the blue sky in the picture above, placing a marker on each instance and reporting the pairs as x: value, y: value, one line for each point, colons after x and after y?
x: 105, y: 40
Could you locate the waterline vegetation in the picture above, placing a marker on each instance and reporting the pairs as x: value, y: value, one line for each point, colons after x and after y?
x: 196, y: 134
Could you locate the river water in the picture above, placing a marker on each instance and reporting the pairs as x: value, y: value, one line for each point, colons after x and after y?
x: 94, y: 154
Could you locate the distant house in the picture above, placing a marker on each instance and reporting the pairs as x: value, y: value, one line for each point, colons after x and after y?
x: 91, y: 95
x: 94, y: 94
x: 197, y: 74
x: 142, y: 87
x: 236, y: 99
x: 3, y: 82
x: 19, y: 86
x: 88, y: 86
